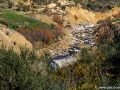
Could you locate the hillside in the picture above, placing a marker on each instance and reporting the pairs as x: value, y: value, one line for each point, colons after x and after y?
x: 85, y: 16
x: 50, y: 15
x: 98, y: 5
x: 41, y: 14
x: 69, y: 9
x: 11, y: 38
x: 59, y: 44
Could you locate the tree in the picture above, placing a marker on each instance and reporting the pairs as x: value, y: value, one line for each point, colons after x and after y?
x: 19, y: 71
x: 109, y: 46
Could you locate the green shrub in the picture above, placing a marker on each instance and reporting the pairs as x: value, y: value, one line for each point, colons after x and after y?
x: 10, y: 4
x: 109, y: 7
x: 18, y: 71
x: 3, y: 22
x: 26, y: 8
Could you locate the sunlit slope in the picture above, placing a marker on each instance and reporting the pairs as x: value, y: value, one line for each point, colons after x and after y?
x: 84, y: 15
x: 11, y: 38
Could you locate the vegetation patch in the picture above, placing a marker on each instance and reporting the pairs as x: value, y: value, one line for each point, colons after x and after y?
x: 16, y: 21
x: 23, y: 72
x: 98, y: 5
x: 98, y: 67
x: 116, y: 20
x: 41, y: 36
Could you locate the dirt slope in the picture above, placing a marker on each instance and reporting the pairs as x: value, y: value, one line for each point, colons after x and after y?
x: 84, y: 15
x: 45, y: 18
x: 11, y: 38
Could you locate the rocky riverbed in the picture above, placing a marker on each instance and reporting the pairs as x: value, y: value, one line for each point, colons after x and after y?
x: 77, y: 36
x: 83, y: 34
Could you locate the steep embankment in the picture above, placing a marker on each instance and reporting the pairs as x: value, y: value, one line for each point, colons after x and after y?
x: 45, y: 18
x: 80, y: 14
x: 11, y: 38
x: 75, y: 15
x: 107, y: 15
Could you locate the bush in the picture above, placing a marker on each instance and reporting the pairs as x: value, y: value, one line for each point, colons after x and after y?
x: 109, y: 47
x: 57, y: 18
x: 109, y: 7
x: 63, y: 8
x: 26, y: 8
x: 41, y: 35
x: 10, y: 4
x: 95, y: 5
x: 3, y: 22
x: 18, y: 71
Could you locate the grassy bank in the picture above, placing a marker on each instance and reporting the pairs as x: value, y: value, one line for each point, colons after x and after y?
x: 15, y: 21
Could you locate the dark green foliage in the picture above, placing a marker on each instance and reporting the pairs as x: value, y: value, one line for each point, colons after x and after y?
x: 18, y: 72
x: 63, y: 7
x: 44, y: 1
x: 3, y: 22
x: 113, y: 56
x: 98, y: 5
x: 85, y: 55
x: 109, y: 7
x: 25, y: 8
x: 110, y: 50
